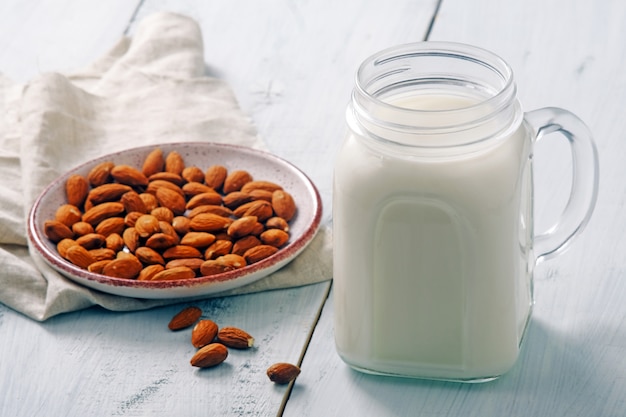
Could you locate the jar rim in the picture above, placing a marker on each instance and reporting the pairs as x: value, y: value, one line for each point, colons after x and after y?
x: 454, y: 50
x: 454, y: 96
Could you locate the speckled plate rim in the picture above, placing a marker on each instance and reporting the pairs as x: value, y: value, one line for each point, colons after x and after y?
x: 303, y: 227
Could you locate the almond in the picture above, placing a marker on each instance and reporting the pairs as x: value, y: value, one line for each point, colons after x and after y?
x: 115, y: 242
x: 181, y: 224
x: 209, y: 222
x: 261, y: 195
x: 219, y: 248
x: 131, y: 239
x: 274, y: 237
x: 198, y: 239
x: 148, y: 256
x: 283, y: 373
x: 168, y: 229
x: 236, y: 198
x: 160, y: 241
x: 185, y: 318
x: 260, y: 208
x: 111, y: 225
x: 102, y: 254
x: 203, y: 333
x: 82, y: 228
x: 125, y: 267
x: 174, y: 163
x: 57, y: 231
x: 68, y: 214
x: 259, y: 253
x: 147, y: 225
x: 153, y: 163
x: 181, y: 251
x: 100, y: 174
x: 210, y: 208
x: 107, y: 192
x: 235, y: 180
x: 215, y: 175
x: 149, y: 272
x: 172, y: 274
x: 225, y: 263
x: 79, y: 256
x: 168, y: 177
x: 63, y: 245
x: 242, y: 226
x: 125, y: 174
x: 209, y: 356
x: 131, y: 218
x: 76, y: 190
x: 234, y: 337
x: 102, y: 211
x: 150, y: 201
x: 194, y: 188
x: 260, y: 185
x: 191, y: 263
x: 277, y: 223
x: 193, y: 174
x: 91, y: 241
x: 155, y: 185
x: 171, y: 199
x: 163, y: 214
x: 283, y: 204
x: 98, y: 266
x: 133, y: 202
x: 240, y: 246
x: 210, y: 198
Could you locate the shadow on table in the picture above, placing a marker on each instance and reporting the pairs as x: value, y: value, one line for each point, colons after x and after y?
x: 556, y: 375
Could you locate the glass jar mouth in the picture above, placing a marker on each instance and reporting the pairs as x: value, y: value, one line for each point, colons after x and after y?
x: 468, y: 89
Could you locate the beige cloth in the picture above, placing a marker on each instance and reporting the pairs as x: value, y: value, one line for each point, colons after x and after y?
x: 149, y: 89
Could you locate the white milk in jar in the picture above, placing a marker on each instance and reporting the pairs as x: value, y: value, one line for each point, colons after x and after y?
x: 434, y: 246
x: 431, y: 258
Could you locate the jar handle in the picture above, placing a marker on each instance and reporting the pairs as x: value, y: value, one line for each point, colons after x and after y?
x: 585, y: 177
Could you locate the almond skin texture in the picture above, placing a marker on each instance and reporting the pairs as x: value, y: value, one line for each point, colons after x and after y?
x: 171, y: 199
x: 102, y: 211
x: 193, y: 174
x: 57, y: 231
x: 214, y: 176
x: 274, y: 237
x: 258, y: 253
x: 203, y: 333
x: 234, y: 337
x: 68, y: 214
x: 79, y: 256
x: 210, y: 355
x: 260, y: 185
x: 126, y: 267
x: 242, y: 227
x: 235, y: 180
x: 209, y: 222
x: 174, y: 163
x: 149, y: 272
x: 185, y: 318
x: 283, y: 204
x: 125, y: 174
x: 282, y: 372
x: 154, y: 162
x: 147, y: 225
x: 76, y: 190
x: 100, y: 174
x: 180, y: 272
x: 108, y: 192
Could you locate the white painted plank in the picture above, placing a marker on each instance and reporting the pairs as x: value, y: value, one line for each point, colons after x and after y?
x: 573, y: 362
x: 98, y: 363
x: 58, y: 35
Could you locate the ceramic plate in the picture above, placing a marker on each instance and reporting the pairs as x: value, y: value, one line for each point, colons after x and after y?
x: 261, y: 165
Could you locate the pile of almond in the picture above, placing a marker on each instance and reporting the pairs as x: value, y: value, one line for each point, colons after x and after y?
x: 213, y: 343
x: 168, y: 221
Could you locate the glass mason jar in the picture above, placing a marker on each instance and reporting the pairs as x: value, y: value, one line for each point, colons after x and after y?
x: 434, y: 247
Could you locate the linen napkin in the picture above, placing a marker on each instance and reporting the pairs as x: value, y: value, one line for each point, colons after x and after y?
x: 150, y: 89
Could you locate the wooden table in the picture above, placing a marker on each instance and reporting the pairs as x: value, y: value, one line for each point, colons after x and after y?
x: 291, y: 65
